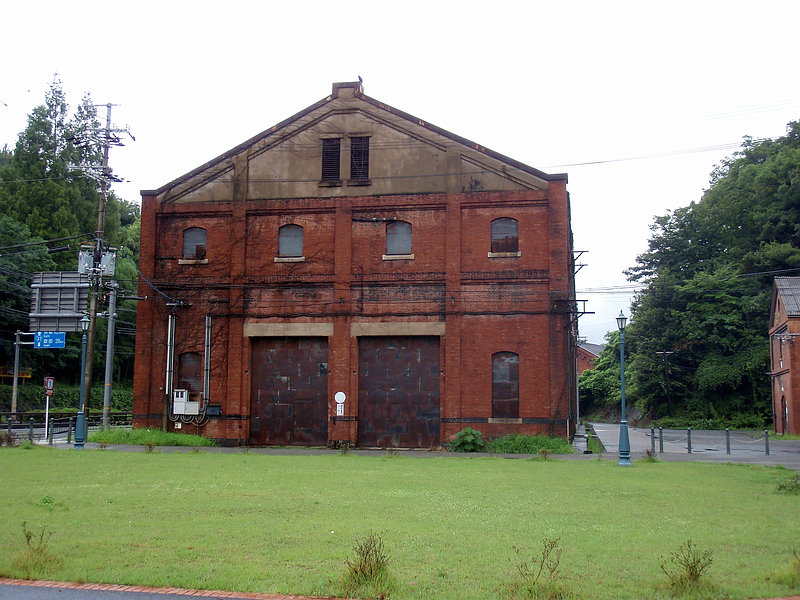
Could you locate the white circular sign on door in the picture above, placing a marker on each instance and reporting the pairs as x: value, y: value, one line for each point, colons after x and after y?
x: 340, y: 397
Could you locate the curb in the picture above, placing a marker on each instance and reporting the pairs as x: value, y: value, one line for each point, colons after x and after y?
x: 107, y: 587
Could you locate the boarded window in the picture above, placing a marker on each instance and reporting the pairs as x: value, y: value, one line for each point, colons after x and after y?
x: 505, y: 385
x: 505, y: 235
x: 359, y: 158
x: 330, y: 159
x: 194, y: 243
x: 190, y: 373
x: 398, y: 237
x: 290, y: 240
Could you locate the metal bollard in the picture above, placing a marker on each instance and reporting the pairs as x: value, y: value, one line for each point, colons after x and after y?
x: 50, y: 433
x: 30, y: 430
x: 689, y: 439
x: 653, y: 440
x: 69, y: 431
x: 727, y: 441
x: 766, y: 441
x: 661, y: 440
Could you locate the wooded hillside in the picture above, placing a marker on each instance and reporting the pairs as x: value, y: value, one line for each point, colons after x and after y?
x: 707, y: 281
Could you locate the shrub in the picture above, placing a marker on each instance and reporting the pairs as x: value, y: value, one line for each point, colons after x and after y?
x: 468, y: 440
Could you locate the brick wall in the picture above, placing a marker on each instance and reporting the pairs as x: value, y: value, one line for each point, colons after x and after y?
x: 484, y: 304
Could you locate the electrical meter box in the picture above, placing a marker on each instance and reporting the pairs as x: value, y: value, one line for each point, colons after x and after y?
x: 181, y: 405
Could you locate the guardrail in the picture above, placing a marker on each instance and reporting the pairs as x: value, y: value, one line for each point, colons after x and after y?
x: 688, y: 438
x: 31, y: 426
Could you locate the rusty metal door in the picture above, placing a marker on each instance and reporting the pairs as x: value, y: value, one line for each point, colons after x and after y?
x: 398, y: 392
x: 288, y: 403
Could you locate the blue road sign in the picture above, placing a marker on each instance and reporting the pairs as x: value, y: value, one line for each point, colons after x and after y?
x: 49, y: 339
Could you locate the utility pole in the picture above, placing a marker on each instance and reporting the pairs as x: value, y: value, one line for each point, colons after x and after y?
x: 96, y: 270
x: 666, y: 354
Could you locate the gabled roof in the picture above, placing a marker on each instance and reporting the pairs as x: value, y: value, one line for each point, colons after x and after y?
x: 789, y: 290
x: 595, y: 349
x: 345, y: 98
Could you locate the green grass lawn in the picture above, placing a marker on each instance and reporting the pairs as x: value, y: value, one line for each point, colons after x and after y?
x: 286, y: 524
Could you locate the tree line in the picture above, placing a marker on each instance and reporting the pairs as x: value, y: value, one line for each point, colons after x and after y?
x: 48, y: 208
x: 697, y: 348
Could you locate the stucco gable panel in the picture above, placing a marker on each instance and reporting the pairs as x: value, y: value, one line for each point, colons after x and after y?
x: 407, y: 155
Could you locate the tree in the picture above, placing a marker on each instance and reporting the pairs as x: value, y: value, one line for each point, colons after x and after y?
x: 707, y: 278
x: 44, y: 196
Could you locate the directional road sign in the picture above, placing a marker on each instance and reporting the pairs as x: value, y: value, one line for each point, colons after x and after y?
x: 49, y: 339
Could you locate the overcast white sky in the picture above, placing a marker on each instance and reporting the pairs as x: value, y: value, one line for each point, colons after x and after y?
x: 644, y: 85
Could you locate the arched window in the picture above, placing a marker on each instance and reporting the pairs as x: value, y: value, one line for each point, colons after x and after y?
x: 194, y: 243
x: 398, y: 237
x: 290, y: 241
x: 505, y: 235
x: 505, y: 385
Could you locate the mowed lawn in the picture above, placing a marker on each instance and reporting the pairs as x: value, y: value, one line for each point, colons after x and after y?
x: 285, y: 524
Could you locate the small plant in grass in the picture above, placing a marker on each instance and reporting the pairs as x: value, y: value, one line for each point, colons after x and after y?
x: 649, y: 456
x: 149, y: 447
x: 686, y: 566
x: 517, y: 443
x: 367, y: 572
x: 790, y: 577
x: 344, y: 448
x: 790, y: 486
x: 145, y: 435
x: 36, y: 559
x: 538, y: 573
x: 6, y: 439
x: 468, y: 440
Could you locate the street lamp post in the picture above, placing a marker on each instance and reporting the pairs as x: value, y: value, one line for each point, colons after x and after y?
x: 80, y: 422
x: 624, y: 442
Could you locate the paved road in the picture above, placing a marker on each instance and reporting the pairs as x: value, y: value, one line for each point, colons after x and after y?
x: 707, y: 445
x: 50, y: 590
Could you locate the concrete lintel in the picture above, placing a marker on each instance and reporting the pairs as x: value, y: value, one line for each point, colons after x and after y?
x: 288, y: 329
x: 398, y: 328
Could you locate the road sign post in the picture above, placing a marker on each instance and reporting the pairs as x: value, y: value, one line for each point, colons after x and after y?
x: 49, y: 384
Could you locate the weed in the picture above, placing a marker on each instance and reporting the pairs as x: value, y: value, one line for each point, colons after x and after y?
x: 650, y: 456
x: 368, y: 570
x: 194, y: 450
x: 344, y: 448
x: 468, y: 440
x: 517, y: 443
x: 6, y: 439
x: 47, y: 500
x: 149, y: 447
x: 790, y: 486
x: 545, y: 452
x: 791, y: 577
x: 28, y: 445
x: 36, y: 558
x: 685, y: 567
x: 539, y: 572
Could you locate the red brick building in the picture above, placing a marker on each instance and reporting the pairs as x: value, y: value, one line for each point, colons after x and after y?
x: 586, y: 354
x: 784, y: 336
x: 357, y: 274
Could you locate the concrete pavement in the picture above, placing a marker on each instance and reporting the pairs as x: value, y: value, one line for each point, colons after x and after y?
x: 748, y: 447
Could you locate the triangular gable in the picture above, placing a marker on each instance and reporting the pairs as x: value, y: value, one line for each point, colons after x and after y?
x: 785, y: 300
x: 407, y: 155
